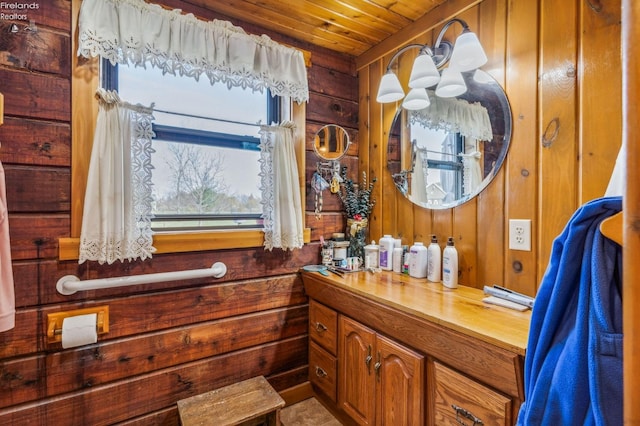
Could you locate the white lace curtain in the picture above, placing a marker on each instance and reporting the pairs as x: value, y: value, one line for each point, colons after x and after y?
x: 456, y: 116
x: 282, y: 208
x: 135, y: 32
x: 116, y: 221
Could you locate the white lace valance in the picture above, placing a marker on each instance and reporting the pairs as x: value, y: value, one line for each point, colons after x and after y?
x: 135, y: 32
x: 454, y: 115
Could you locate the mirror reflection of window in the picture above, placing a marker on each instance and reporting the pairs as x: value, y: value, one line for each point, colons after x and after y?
x: 444, y: 155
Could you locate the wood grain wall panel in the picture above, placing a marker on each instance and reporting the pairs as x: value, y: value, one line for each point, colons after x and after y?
x: 52, y: 13
x: 165, y: 417
x: 34, y: 51
x: 22, y: 339
x: 521, y: 171
x: 136, y: 396
x: 35, y: 142
x: 241, y: 265
x: 329, y: 110
x: 36, y: 236
x: 631, y: 207
x: 32, y: 95
x: 326, y: 225
x: 122, y: 358
x: 601, y: 133
x: 38, y: 189
x: 558, y: 153
x: 332, y: 82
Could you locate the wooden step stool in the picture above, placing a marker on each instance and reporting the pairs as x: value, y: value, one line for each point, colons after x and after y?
x: 249, y: 403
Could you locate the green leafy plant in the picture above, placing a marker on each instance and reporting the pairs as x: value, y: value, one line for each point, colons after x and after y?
x: 356, y: 198
x: 358, y: 204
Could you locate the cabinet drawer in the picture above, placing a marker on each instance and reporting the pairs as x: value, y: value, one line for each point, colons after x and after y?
x: 469, y: 401
x: 322, y: 370
x: 323, y: 326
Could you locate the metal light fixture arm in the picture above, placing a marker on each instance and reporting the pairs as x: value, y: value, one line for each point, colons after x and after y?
x: 424, y: 48
x: 442, y: 48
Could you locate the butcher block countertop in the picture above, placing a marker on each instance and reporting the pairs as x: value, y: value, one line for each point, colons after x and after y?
x: 461, y: 309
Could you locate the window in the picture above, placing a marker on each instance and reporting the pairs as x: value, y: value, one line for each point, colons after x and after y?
x: 85, y: 79
x: 206, y: 143
x: 441, y: 161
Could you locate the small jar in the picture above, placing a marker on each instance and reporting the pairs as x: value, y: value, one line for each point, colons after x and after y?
x: 371, y: 256
x: 340, y: 249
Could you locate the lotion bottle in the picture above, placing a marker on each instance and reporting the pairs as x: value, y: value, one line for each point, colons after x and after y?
x: 434, y: 260
x: 398, y: 253
x: 386, y: 253
x: 418, y: 260
x: 450, y: 265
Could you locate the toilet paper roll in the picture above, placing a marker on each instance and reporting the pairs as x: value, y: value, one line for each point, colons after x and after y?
x: 79, y: 330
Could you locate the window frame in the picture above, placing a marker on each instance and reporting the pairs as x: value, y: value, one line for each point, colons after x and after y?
x: 84, y: 111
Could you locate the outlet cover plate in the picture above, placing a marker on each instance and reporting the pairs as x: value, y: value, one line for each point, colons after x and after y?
x: 520, y: 234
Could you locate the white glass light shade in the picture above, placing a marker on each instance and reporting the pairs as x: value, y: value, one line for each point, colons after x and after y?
x: 424, y: 72
x: 390, y: 89
x: 451, y: 84
x: 482, y: 77
x: 416, y: 99
x: 468, y: 53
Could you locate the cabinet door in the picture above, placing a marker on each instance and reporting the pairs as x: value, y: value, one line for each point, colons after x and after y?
x: 356, y: 394
x: 400, y: 385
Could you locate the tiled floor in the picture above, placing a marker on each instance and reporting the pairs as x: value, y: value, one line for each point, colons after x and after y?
x: 309, y: 412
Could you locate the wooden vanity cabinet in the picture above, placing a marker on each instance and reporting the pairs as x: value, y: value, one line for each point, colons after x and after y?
x: 413, y: 353
x: 323, y: 342
x: 380, y: 381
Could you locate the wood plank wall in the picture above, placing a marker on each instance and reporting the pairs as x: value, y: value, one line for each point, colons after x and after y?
x: 166, y: 341
x: 631, y: 213
x: 559, y: 63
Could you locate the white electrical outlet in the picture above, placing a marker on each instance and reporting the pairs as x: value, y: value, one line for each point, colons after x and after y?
x: 520, y: 234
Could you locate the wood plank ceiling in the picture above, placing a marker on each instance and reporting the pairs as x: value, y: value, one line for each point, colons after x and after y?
x: 347, y: 26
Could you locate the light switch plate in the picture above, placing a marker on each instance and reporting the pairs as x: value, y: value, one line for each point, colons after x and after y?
x: 520, y: 234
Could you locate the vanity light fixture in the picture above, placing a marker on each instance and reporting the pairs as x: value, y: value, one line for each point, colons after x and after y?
x: 465, y: 55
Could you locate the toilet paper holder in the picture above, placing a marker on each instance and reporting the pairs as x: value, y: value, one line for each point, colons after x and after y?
x: 54, y: 321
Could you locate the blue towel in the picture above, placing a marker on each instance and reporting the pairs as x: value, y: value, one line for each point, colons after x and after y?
x: 573, y: 366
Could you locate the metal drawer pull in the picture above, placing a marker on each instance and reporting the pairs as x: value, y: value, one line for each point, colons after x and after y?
x: 320, y: 372
x: 377, y: 366
x: 320, y: 327
x: 461, y: 412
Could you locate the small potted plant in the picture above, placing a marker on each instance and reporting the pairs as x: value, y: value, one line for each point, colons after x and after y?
x: 358, y: 204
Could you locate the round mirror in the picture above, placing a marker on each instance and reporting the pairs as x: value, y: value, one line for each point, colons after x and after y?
x: 331, y: 142
x: 447, y: 153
